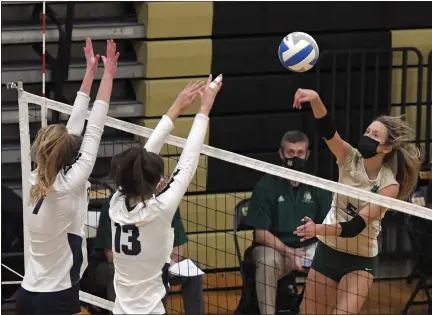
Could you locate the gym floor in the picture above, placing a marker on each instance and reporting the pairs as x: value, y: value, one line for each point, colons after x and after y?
x: 386, y: 297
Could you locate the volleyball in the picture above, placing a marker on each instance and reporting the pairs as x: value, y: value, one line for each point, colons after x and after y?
x: 298, y: 52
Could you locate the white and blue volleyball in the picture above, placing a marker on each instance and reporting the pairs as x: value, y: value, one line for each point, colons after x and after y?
x: 298, y: 52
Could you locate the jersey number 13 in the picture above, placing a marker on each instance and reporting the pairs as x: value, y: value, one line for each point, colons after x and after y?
x: 133, y: 246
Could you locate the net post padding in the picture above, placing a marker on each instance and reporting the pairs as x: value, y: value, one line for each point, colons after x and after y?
x: 24, y: 130
x: 244, y: 161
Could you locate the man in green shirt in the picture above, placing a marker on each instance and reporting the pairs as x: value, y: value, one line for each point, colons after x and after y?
x: 276, y: 209
x: 102, y: 270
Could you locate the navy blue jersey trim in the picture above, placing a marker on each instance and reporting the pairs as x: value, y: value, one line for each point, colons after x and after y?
x: 68, y: 167
x: 38, y: 206
x: 177, y: 171
x: 75, y: 244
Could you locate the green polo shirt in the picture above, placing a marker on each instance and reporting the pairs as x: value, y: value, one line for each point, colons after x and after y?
x: 103, y: 239
x: 180, y: 236
x: 278, y: 207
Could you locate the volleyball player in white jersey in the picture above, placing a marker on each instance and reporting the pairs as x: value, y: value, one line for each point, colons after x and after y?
x: 59, y: 196
x: 386, y: 162
x: 142, y: 210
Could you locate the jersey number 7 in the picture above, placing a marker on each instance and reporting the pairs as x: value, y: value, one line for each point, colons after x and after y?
x: 133, y: 246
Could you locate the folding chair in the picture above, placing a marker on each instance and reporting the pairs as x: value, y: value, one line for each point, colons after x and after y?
x: 240, y: 212
x: 420, y: 231
x: 423, y: 197
x: 248, y: 303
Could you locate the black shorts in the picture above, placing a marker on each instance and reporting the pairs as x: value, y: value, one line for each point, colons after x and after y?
x: 335, y: 264
x: 60, y: 302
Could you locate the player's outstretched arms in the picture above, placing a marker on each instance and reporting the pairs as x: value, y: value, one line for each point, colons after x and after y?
x: 165, y: 126
x: 171, y: 195
x: 340, y: 148
x: 81, y: 169
x: 76, y: 121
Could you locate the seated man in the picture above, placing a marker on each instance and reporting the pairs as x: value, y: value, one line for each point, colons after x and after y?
x: 276, y: 209
x: 102, y: 267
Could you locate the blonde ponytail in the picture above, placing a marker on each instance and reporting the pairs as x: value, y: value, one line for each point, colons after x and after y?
x: 53, y: 149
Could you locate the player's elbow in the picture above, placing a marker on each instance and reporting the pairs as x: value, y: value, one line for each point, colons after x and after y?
x: 340, y: 148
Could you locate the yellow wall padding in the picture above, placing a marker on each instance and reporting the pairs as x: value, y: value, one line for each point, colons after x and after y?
x: 199, y: 181
x: 158, y: 95
x: 420, y: 39
x: 175, y: 58
x: 411, y: 85
x: 175, y: 19
x: 216, y: 250
x: 210, y: 213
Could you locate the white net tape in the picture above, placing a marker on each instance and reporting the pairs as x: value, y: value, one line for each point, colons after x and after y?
x: 26, y: 98
x: 241, y: 160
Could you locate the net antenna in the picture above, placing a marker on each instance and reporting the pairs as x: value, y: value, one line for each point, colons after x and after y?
x: 44, y: 109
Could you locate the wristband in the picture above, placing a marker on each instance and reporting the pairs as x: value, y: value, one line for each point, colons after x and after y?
x: 325, y: 127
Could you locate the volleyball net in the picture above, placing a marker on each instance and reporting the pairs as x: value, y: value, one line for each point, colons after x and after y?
x: 220, y: 241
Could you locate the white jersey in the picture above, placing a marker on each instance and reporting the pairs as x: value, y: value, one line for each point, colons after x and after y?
x: 353, y: 173
x: 143, y: 237
x: 57, y: 239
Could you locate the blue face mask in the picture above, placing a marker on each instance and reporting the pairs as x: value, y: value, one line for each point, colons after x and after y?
x: 368, y: 147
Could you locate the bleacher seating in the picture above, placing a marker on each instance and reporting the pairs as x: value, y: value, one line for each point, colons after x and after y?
x: 98, y: 20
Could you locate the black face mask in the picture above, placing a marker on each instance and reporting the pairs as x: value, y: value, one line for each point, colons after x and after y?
x: 294, y: 163
x: 368, y: 147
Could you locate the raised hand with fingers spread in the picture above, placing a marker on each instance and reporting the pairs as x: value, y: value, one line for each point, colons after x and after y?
x: 208, y: 95
x: 189, y: 94
x: 185, y: 99
x: 111, y: 58
x: 91, y: 60
x: 110, y: 64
